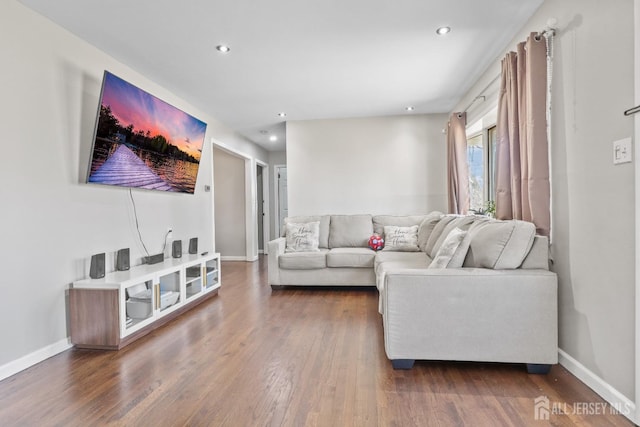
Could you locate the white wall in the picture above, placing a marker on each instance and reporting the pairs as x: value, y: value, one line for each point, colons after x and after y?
x: 378, y: 165
x: 230, y: 210
x: 52, y: 221
x: 593, y: 200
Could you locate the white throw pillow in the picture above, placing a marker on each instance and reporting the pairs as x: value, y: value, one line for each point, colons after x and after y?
x: 401, y: 239
x: 450, y: 254
x: 302, y: 237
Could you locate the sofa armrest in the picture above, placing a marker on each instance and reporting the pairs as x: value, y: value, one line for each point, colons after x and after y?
x: 276, y: 248
x: 471, y: 314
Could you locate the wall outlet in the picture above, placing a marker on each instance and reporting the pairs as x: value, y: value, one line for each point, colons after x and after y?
x: 622, y: 151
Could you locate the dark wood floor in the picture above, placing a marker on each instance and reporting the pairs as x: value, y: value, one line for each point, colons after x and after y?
x: 253, y: 357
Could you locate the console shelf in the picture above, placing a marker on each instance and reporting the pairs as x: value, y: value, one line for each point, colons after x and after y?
x: 113, y: 311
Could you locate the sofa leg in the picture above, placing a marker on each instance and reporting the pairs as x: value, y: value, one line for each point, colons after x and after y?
x: 402, y: 363
x: 540, y: 369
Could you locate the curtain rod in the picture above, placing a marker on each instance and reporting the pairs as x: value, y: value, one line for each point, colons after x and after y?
x: 480, y: 95
x: 548, y: 31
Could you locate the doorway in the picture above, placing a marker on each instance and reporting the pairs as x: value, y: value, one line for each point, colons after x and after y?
x: 230, y: 205
x: 281, y: 195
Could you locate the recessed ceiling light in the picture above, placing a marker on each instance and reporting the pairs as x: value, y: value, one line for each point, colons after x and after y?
x: 443, y: 30
x: 223, y: 48
x: 273, y: 138
x: 409, y: 108
x: 282, y: 114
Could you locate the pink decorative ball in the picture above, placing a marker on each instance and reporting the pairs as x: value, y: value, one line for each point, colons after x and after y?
x: 376, y: 242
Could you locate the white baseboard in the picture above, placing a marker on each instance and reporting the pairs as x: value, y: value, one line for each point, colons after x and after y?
x: 616, y: 399
x: 232, y: 258
x: 31, y: 359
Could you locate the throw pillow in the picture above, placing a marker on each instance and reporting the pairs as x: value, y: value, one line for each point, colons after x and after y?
x: 324, y: 226
x: 401, y: 239
x: 302, y: 237
x: 450, y: 250
x: 461, y: 222
x: 376, y: 242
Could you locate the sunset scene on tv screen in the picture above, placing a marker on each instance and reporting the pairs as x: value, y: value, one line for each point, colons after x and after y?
x: 142, y: 141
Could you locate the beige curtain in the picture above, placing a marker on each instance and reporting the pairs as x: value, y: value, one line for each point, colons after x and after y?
x: 457, y: 168
x: 522, y: 159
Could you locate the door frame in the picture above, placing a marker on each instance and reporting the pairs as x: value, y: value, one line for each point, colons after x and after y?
x: 250, y: 189
x: 636, y: 148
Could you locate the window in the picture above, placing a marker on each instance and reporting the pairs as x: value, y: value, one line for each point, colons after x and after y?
x: 481, y: 158
x: 491, y: 176
x: 475, y: 160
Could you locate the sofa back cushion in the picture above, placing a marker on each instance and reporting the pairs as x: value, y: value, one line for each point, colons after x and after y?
x: 323, y: 237
x: 350, y: 231
x: 538, y: 256
x: 437, y: 231
x: 380, y: 221
x: 426, y: 228
x: 499, y: 245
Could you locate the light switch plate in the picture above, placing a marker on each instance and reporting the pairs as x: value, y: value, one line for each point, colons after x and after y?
x: 622, y: 151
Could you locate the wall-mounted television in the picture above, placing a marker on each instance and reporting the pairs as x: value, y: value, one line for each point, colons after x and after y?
x: 143, y: 142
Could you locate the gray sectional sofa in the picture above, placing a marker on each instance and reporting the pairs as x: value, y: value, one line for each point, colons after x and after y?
x: 451, y: 287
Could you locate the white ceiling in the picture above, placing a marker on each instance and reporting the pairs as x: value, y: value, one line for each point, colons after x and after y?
x: 312, y: 59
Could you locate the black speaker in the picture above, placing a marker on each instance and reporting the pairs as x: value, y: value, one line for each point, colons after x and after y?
x: 176, y: 249
x: 96, y: 270
x: 122, y: 259
x: 193, y: 245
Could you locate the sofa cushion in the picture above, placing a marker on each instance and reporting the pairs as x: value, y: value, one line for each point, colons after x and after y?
x: 302, y: 237
x: 421, y: 262
x: 437, y: 231
x: 411, y: 258
x: 461, y: 222
x: 350, y: 257
x: 538, y: 256
x: 350, y: 231
x: 401, y: 239
x: 453, y: 250
x: 323, y: 238
x: 426, y: 228
x: 499, y: 244
x: 380, y: 221
x: 303, y: 260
